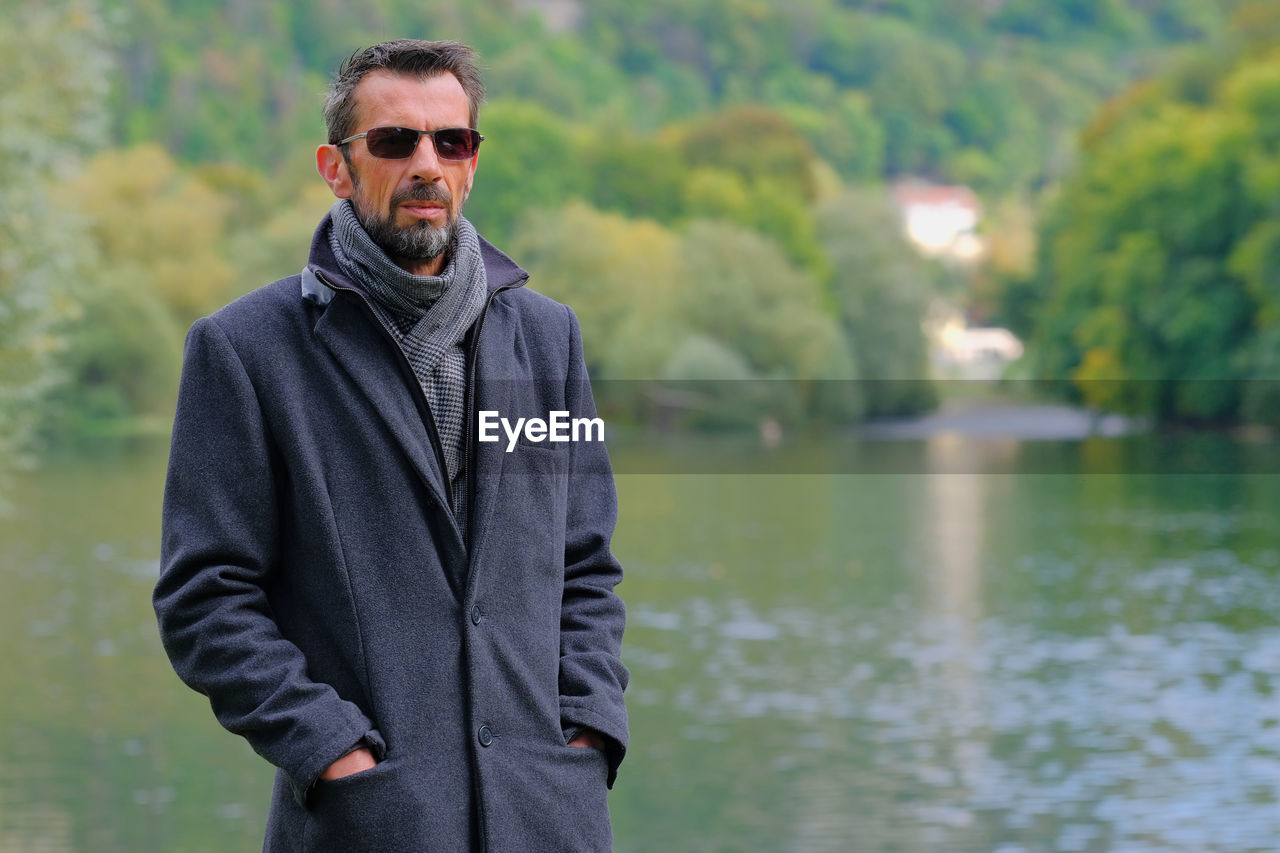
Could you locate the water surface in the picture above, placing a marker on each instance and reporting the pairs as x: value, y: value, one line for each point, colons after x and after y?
x: 902, y: 661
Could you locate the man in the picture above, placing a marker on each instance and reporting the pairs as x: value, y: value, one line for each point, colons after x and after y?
x: 417, y: 628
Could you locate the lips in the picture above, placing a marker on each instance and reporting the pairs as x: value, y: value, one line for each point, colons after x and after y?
x: 426, y: 209
x: 423, y: 201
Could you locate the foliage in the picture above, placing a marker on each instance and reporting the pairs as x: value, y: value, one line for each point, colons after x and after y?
x: 54, y: 64
x: 741, y: 291
x: 883, y: 289
x: 161, y: 238
x: 619, y: 275
x: 941, y: 90
x: 156, y: 225
x: 713, y: 303
x: 752, y: 167
x: 1156, y: 280
x: 122, y: 362
x: 666, y: 143
x: 156, y: 235
x: 529, y: 160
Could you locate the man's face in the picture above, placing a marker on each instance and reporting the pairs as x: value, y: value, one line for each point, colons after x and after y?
x: 409, y: 207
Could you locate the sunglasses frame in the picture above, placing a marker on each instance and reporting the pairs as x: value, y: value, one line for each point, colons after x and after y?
x: 420, y: 134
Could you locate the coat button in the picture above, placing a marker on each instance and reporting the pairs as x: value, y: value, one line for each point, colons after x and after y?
x: 475, y: 615
x: 486, y: 736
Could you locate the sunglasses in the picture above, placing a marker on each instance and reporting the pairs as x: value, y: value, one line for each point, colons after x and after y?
x: 399, y: 143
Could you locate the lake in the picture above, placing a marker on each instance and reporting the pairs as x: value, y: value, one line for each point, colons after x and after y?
x: 933, y: 645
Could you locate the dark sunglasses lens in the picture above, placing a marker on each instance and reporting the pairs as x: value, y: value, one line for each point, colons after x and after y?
x: 399, y: 143
x: 457, y: 143
x: 392, y: 143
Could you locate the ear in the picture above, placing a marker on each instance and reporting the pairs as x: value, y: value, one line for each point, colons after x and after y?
x: 333, y: 167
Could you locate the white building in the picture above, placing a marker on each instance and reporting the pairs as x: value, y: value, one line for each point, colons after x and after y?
x: 960, y: 351
x: 941, y: 221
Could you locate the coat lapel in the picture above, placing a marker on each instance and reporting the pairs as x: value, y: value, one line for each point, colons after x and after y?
x: 345, y: 330
x: 493, y: 393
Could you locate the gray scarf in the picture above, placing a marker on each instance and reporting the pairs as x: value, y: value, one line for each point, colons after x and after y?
x: 429, y: 316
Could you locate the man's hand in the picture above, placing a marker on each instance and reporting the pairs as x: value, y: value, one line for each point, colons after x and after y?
x: 590, y: 738
x: 353, y: 762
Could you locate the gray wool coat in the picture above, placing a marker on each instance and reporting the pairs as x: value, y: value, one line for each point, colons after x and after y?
x: 315, y: 586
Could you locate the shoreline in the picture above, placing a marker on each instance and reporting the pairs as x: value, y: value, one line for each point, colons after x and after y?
x: 986, y: 419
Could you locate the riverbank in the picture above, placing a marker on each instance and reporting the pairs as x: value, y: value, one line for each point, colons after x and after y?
x: 987, y: 418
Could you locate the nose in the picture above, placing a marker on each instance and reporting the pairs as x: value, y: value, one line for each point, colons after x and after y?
x: 424, y: 165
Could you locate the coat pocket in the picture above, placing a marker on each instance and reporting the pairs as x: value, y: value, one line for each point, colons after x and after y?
x: 588, y: 769
x: 373, y: 810
x: 553, y: 793
x: 581, y: 776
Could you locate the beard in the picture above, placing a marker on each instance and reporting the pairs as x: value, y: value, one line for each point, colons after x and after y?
x: 420, y: 241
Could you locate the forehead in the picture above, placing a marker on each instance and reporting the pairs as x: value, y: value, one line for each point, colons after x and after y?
x: 385, y: 98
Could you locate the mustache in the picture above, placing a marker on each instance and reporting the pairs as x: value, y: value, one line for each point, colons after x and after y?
x: 421, y: 192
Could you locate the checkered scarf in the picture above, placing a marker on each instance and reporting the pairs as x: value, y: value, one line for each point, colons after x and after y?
x: 429, y: 316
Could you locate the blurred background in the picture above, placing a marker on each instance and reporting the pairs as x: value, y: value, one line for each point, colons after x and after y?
x: 937, y: 343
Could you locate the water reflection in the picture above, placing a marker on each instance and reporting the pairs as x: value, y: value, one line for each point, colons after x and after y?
x: 956, y: 512
x: 1167, y: 741
x: 101, y: 749
x: 947, y: 662
x: 1030, y: 668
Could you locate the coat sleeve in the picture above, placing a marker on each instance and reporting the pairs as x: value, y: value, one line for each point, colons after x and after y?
x: 592, y: 676
x: 219, y: 548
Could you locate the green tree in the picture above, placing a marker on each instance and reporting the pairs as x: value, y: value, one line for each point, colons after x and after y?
x: 776, y: 170
x: 882, y: 288
x: 158, y: 236
x: 121, y: 365
x: 529, y: 160
x: 1156, y: 263
x: 847, y: 134
x: 748, y: 304
x: 717, y: 302
x: 756, y: 143
x: 741, y: 291
x: 241, y: 81
x: 56, y: 69
x: 621, y: 277
x: 641, y: 176
x: 159, y: 225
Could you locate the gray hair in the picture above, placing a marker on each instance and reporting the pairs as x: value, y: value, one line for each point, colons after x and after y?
x: 410, y: 57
